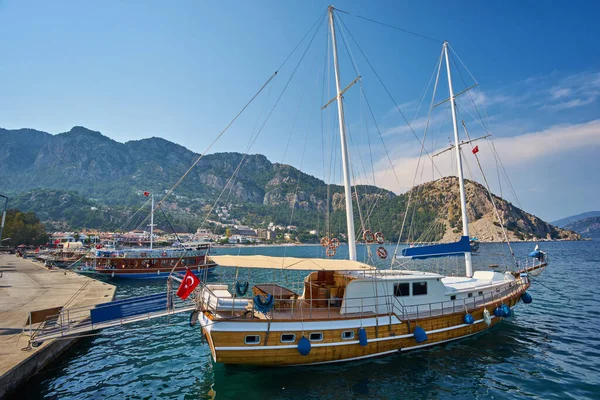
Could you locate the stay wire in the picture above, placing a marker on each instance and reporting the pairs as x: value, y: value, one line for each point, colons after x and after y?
x: 170, y: 225
x: 390, y: 96
x: 170, y: 191
x: 396, y: 28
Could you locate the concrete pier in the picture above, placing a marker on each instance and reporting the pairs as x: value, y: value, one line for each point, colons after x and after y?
x: 26, y: 286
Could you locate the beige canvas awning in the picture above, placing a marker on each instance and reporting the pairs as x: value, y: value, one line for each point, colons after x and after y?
x: 290, y: 263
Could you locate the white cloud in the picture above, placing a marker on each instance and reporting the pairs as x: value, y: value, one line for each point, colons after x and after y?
x: 514, y: 151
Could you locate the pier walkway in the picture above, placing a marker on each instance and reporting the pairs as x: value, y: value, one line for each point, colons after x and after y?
x: 26, y: 286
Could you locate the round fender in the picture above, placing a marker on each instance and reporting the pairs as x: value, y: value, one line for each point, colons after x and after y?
x: 420, y: 334
x: 468, y: 319
x: 487, y: 318
x: 304, y: 346
x: 526, y: 297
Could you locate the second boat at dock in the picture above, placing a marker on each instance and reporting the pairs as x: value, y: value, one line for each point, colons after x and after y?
x: 151, y: 263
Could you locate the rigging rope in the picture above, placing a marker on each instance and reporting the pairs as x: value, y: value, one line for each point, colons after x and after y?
x: 265, y: 84
x: 395, y: 28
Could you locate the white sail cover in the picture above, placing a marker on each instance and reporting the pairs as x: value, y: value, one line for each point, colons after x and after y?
x: 290, y: 263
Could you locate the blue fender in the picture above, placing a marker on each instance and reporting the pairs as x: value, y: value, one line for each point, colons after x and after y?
x: 498, y: 312
x: 362, y: 337
x: 526, y: 297
x: 420, y: 334
x: 468, y: 319
x: 304, y: 346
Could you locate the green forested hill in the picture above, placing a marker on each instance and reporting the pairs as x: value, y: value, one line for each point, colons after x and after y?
x: 82, y: 179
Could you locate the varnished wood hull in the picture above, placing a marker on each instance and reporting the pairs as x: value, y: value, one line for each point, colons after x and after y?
x: 385, y: 335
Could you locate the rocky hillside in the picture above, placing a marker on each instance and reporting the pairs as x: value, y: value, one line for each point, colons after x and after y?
x: 116, y: 173
x: 441, y: 198
x: 82, y: 178
x: 586, y: 227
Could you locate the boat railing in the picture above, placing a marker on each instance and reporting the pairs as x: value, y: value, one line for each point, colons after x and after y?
x: 151, y: 254
x: 310, y: 308
x: 466, y: 304
x: 529, y: 263
x: 73, y: 321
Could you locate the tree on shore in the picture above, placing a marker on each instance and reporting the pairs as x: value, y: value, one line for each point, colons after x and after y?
x: 23, y: 228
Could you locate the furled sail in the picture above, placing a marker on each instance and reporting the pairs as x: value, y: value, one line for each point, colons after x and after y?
x: 439, y: 250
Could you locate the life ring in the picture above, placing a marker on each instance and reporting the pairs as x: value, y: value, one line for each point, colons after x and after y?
x: 325, y: 242
x: 334, y: 243
x: 382, y: 253
x: 330, y: 252
x: 368, y: 236
x: 143, y: 254
x: 379, y: 237
x: 487, y: 318
x: 164, y: 254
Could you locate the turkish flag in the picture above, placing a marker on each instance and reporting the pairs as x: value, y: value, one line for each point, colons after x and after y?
x: 146, y: 194
x: 475, y: 150
x: 188, y: 284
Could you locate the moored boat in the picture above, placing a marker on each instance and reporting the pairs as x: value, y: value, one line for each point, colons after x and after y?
x: 151, y: 263
x: 348, y: 310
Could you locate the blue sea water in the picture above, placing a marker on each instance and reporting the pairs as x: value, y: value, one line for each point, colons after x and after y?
x: 549, y: 349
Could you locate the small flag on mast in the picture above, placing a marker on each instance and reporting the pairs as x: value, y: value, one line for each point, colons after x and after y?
x: 146, y: 194
x: 475, y: 150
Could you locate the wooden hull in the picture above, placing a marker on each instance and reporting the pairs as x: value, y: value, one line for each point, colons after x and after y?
x: 385, y: 335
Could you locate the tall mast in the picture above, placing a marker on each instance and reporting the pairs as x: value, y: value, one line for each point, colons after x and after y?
x: 345, y: 164
x: 463, y: 200
x: 152, y: 221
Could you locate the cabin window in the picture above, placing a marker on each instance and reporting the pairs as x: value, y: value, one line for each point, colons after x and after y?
x: 191, y: 261
x: 453, y: 297
x: 288, y: 338
x: 419, y: 288
x: 401, y: 289
x: 316, y: 337
x: 469, y: 295
x: 252, y: 339
x: 155, y: 263
x: 348, y: 335
x: 480, y: 293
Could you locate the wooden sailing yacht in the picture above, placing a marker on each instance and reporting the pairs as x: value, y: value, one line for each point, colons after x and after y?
x: 349, y: 310
x: 151, y: 263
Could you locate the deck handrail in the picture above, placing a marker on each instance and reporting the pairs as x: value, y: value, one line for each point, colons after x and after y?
x: 389, y: 303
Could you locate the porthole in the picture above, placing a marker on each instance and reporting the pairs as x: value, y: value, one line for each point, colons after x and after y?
x: 287, y: 338
x: 316, y: 337
x: 348, y: 335
x: 252, y: 339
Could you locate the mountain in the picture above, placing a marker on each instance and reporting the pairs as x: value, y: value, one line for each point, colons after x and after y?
x: 568, y: 220
x: 587, y: 227
x: 83, y: 179
x: 442, y: 198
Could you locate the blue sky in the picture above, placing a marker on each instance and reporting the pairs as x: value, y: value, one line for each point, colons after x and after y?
x: 182, y: 70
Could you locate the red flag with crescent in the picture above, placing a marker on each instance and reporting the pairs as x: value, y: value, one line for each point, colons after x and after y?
x: 188, y: 284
